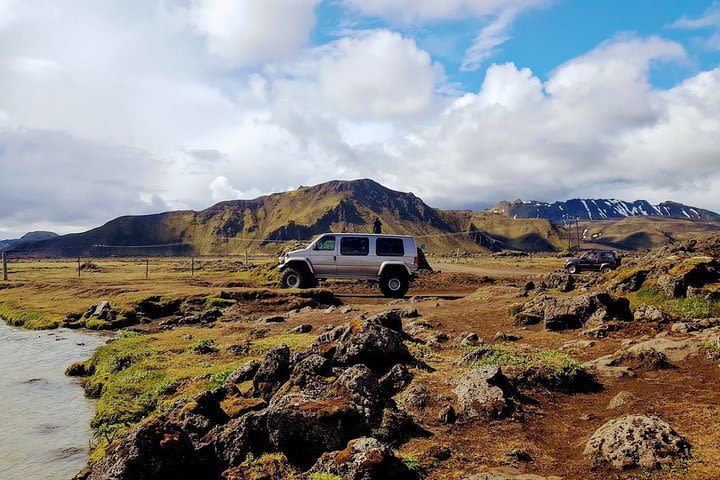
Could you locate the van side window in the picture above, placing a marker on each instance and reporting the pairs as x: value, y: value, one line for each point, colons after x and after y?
x: 608, y: 256
x: 390, y: 247
x: 354, y: 246
x: 326, y: 244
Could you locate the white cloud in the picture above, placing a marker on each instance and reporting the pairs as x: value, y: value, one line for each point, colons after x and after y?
x: 485, y: 44
x: 222, y: 190
x: 248, y: 32
x: 711, y: 18
x: 423, y: 11
x: 109, y: 109
x: 378, y: 74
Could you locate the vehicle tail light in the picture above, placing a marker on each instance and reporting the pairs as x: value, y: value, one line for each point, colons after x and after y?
x: 415, y: 261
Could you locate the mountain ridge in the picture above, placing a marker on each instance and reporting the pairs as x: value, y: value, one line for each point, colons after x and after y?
x: 600, y: 209
x: 263, y: 224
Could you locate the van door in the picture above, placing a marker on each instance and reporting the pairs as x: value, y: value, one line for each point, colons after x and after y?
x: 324, y: 255
x: 354, y: 256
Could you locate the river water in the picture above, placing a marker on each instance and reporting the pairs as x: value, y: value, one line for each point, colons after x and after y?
x: 44, y: 416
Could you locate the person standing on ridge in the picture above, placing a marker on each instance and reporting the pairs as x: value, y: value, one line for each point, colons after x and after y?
x: 377, y: 225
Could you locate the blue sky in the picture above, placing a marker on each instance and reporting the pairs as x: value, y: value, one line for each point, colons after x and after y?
x: 544, y: 37
x: 114, y: 107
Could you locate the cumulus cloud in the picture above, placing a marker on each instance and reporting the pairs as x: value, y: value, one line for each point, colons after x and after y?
x: 247, y: 32
x: 222, y: 190
x: 53, y: 176
x: 379, y: 74
x: 104, y: 114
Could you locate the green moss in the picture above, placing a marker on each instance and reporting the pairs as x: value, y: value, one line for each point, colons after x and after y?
x: 296, y: 341
x: 412, y: 463
x: 137, y: 375
x: 324, y: 476
x: 694, y: 307
x: 97, y: 324
x: 217, y: 302
x: 29, y: 318
x: 549, y: 368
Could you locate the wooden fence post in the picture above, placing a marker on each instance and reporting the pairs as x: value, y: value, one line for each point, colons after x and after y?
x: 147, y: 267
x: 192, y: 267
x: 78, y: 267
x: 4, y: 266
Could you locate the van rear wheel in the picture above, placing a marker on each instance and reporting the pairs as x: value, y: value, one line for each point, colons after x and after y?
x: 292, y: 278
x: 572, y: 269
x: 394, y: 284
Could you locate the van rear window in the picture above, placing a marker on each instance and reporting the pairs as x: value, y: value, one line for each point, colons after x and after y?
x: 390, y: 247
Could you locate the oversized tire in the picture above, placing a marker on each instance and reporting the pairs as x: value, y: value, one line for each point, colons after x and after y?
x: 292, y: 278
x: 606, y: 269
x: 394, y: 284
x: 572, y: 269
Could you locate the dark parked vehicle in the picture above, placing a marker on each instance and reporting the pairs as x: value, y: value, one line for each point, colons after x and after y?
x: 598, y: 260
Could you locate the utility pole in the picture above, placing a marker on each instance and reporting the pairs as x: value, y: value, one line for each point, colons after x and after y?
x: 577, y: 230
x: 147, y: 267
x: 4, y: 266
x: 78, y: 267
x: 192, y: 267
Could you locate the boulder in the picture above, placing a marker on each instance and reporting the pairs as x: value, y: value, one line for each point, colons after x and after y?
x: 391, y: 319
x: 672, y: 285
x: 363, y: 459
x: 369, y: 343
x: 304, y: 328
x: 509, y: 476
x: 636, y: 441
x: 240, y: 437
x: 243, y: 373
x: 651, y: 313
x: 560, y: 313
x: 396, y: 380
x: 156, y: 450
x: 484, y: 392
x: 447, y: 415
x: 304, y: 425
x: 621, y: 399
x: 417, y: 397
x: 469, y: 339
x: 273, y: 372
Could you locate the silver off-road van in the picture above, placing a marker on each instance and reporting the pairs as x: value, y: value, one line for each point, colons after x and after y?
x: 391, y: 260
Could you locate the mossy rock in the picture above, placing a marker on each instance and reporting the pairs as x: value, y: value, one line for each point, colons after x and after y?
x: 217, y: 302
x: 94, y: 323
x: 526, y: 318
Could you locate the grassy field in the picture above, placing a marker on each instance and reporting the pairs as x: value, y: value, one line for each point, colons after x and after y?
x: 40, y: 293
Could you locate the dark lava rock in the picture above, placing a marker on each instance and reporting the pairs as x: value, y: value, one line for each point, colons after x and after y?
x: 369, y: 343
x: 243, y: 373
x: 396, y: 380
x: 304, y: 425
x: 240, y: 437
x: 304, y: 328
x: 156, y: 450
x: 484, y: 392
x: 364, y: 459
x: 447, y: 415
x: 273, y: 372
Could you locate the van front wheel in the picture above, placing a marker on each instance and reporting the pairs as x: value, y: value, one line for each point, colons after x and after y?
x: 292, y: 278
x: 394, y: 284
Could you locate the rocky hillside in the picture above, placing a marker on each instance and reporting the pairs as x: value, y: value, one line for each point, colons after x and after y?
x: 342, y: 206
x: 600, y: 209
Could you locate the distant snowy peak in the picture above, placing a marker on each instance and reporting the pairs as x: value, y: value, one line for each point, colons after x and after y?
x: 600, y: 209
